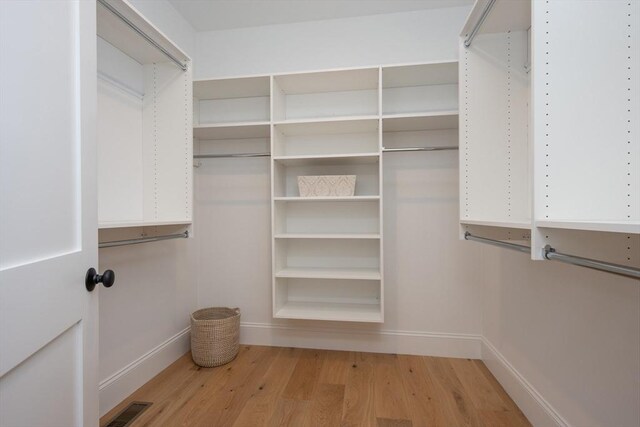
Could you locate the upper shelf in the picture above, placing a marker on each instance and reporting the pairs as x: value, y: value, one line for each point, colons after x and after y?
x: 232, y: 131
x: 328, y: 81
x: 420, y: 121
x: 505, y: 15
x: 113, y: 29
x: 420, y: 75
x: 243, y: 87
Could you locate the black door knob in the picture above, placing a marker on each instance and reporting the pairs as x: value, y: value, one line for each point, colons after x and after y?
x: 93, y: 278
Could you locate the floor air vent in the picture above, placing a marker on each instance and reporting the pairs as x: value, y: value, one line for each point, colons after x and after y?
x: 128, y: 414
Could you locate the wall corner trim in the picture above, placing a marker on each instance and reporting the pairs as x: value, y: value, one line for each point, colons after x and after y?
x: 119, y: 385
x: 535, y: 407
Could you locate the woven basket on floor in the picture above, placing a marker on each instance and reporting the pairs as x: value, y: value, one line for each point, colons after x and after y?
x: 215, y: 335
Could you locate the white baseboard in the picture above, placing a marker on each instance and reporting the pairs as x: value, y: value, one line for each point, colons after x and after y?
x: 122, y: 383
x: 539, y: 412
x: 375, y: 341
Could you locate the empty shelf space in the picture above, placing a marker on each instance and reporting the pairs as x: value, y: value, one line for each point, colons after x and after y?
x: 243, y: 87
x: 327, y: 236
x: 420, y: 75
x: 420, y: 88
x: 124, y: 224
x: 329, y: 94
x: 336, y: 159
x: 420, y: 121
x: 330, y: 273
x: 248, y: 130
x: 330, y: 311
x: 632, y: 227
x: 504, y: 224
x: 235, y: 101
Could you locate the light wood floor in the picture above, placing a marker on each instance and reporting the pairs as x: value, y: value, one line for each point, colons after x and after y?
x: 297, y: 387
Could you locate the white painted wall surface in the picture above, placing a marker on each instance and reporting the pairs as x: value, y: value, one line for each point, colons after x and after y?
x: 143, y: 317
x: 572, y: 333
x: 350, y: 42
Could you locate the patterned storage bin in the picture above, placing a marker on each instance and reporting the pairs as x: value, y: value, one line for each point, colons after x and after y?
x: 327, y: 185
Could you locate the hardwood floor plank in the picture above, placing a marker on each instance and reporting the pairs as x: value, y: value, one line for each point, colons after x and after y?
x: 289, y: 412
x: 387, y: 422
x: 359, y: 393
x: 326, y: 406
x: 221, y: 376
x: 502, y: 419
x: 227, y: 402
x: 335, y: 368
x: 267, y: 386
x: 305, y: 376
x: 421, y: 392
x: 513, y: 408
x: 457, y: 406
x: 260, y: 406
x: 479, y: 389
x: 389, y: 396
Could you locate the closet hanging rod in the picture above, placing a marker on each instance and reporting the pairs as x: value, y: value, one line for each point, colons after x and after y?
x: 498, y: 243
x: 623, y: 270
x: 127, y: 242
x: 220, y: 156
x: 395, y: 150
x: 144, y: 35
x: 478, y: 24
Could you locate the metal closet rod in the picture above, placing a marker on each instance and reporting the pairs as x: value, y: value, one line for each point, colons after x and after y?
x: 623, y: 270
x: 498, y: 243
x: 384, y: 150
x: 478, y: 24
x: 144, y: 35
x: 551, y: 254
x: 143, y: 240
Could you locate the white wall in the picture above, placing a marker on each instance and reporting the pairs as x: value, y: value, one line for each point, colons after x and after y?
x: 572, y: 333
x: 433, y: 294
x: 363, y: 41
x: 143, y: 317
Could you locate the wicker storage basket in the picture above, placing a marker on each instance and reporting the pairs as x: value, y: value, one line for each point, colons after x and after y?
x: 215, y: 334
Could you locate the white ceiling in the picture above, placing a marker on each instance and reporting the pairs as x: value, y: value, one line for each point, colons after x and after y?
x: 207, y: 15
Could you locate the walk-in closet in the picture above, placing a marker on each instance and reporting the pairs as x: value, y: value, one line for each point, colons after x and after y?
x: 319, y: 213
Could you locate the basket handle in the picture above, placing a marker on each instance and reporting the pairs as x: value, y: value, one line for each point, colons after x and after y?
x: 236, y: 309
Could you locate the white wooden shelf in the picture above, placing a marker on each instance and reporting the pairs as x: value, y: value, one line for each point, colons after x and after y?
x: 242, y: 87
x: 330, y: 273
x: 327, y: 236
x: 503, y: 224
x: 435, y: 120
x: 123, y: 224
x: 241, y: 130
x: 336, y: 159
x: 330, y: 311
x: 311, y: 120
x: 632, y: 227
x: 329, y: 199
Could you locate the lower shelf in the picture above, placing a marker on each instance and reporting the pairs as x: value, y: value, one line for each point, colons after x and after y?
x: 330, y: 273
x: 330, y: 311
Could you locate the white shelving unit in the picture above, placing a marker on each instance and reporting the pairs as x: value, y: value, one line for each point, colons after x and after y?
x: 531, y: 157
x: 328, y: 251
x: 144, y: 124
x: 495, y: 179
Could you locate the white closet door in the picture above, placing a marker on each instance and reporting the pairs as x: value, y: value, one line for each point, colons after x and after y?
x: 48, y: 221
